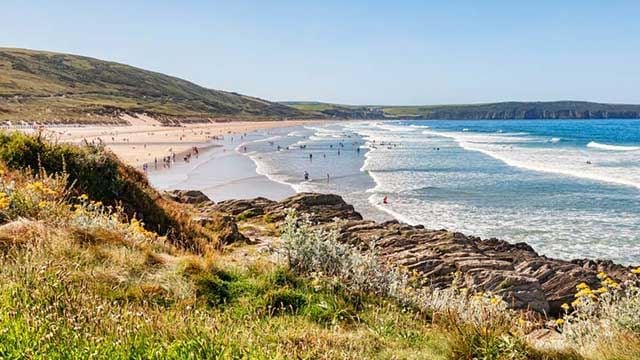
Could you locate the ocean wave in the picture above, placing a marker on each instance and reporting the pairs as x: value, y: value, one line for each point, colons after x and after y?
x: 600, y: 146
x: 566, y: 162
x: 376, y: 201
x: 555, y: 140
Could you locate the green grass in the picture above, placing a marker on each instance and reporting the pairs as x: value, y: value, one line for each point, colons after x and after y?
x: 45, y: 86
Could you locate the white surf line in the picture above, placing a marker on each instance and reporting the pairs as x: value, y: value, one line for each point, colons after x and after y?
x: 528, y: 166
x: 600, y: 146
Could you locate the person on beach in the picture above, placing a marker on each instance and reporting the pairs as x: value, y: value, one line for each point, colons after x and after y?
x: 328, y: 178
x: 306, y: 176
x: 385, y: 200
x: 310, y: 157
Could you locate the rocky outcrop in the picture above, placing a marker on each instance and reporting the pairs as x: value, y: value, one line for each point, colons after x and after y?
x: 189, y: 197
x: 321, y: 208
x: 525, y: 279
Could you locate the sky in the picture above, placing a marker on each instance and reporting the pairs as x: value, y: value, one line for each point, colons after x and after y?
x: 355, y: 51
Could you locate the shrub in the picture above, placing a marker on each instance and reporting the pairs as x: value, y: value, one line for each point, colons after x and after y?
x: 604, y: 321
x: 97, y: 173
x: 315, y: 251
x: 213, y: 289
x: 285, y: 300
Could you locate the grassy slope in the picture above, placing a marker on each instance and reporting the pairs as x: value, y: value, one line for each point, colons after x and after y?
x: 38, y: 85
x: 502, y: 110
x: 83, y: 280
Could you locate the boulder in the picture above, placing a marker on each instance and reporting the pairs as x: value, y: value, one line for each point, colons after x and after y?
x: 321, y: 208
x: 195, y: 197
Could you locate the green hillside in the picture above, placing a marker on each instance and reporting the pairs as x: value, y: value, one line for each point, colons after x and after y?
x: 46, y: 86
x: 491, y: 111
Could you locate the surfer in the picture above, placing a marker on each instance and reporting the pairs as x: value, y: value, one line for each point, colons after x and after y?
x: 306, y: 176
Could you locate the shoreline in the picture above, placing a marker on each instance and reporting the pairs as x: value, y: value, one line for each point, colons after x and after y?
x: 147, y: 139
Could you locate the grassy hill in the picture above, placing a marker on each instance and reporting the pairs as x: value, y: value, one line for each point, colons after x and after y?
x: 491, y: 111
x: 46, y: 86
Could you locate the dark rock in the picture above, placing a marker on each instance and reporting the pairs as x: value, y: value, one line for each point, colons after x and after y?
x: 226, y: 228
x: 237, y: 207
x: 321, y: 208
x: 189, y: 197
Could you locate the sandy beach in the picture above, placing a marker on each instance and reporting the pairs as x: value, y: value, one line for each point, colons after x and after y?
x: 147, y: 139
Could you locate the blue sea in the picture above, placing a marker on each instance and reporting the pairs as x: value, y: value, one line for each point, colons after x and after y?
x: 569, y: 188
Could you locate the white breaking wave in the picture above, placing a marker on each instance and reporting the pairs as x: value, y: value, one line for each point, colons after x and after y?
x: 565, y: 161
x: 600, y: 146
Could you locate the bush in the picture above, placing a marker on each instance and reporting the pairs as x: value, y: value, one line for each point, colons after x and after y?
x: 285, y: 301
x: 213, y: 289
x: 316, y: 251
x: 100, y: 175
x: 605, y: 321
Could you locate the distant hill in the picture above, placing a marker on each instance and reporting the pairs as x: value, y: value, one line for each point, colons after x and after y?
x: 493, y: 111
x: 51, y: 87
x: 46, y: 86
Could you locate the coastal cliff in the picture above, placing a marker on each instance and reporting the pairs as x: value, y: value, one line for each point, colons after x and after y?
x: 491, y: 111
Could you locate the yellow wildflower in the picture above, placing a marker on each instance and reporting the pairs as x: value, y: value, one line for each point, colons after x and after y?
x: 582, y: 286
x: 4, y: 201
x: 610, y: 283
x: 559, y: 322
x: 83, y: 197
x: 602, y: 275
x: 42, y: 204
x: 40, y: 187
x: 584, y: 293
x: 636, y: 271
x: 565, y: 307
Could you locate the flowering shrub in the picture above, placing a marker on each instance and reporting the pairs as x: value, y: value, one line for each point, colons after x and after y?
x: 30, y: 196
x: 93, y: 215
x: 603, y: 315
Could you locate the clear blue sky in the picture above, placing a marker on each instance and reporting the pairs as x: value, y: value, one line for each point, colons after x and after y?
x: 356, y: 51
